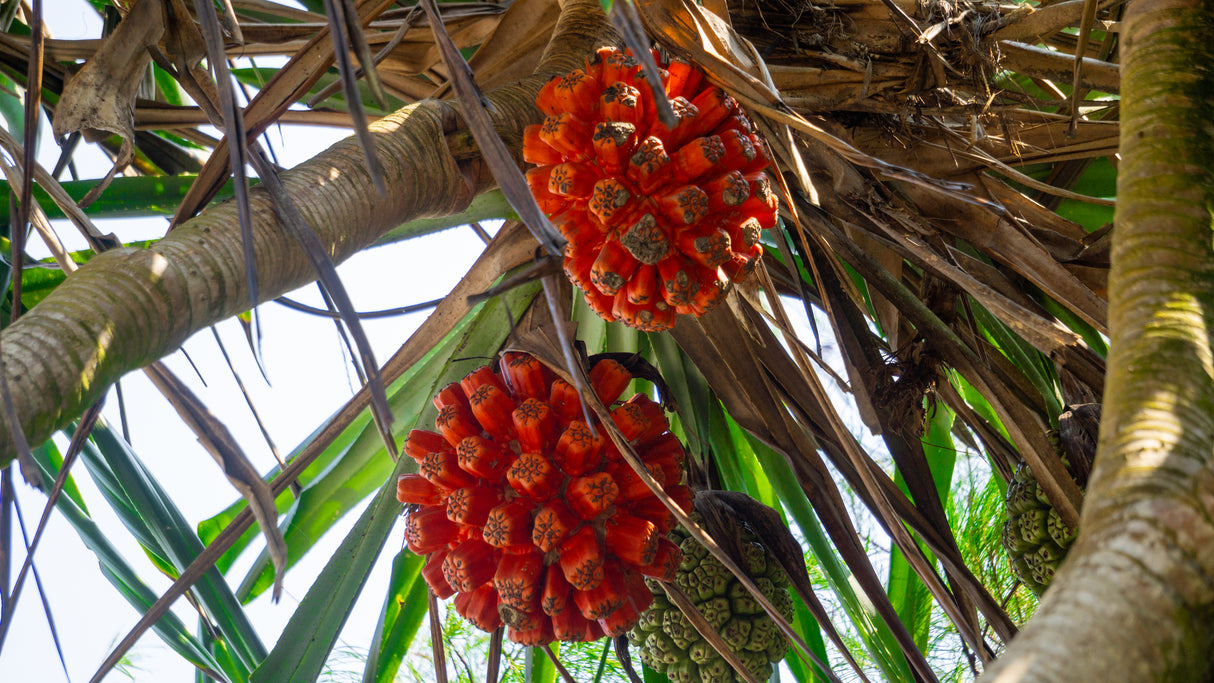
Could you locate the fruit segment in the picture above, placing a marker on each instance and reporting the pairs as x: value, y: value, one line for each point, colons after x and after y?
x: 664, y: 205
x: 581, y: 558
x: 528, y: 515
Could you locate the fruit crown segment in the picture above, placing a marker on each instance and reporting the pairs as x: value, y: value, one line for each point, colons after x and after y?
x: 659, y: 221
x: 530, y: 517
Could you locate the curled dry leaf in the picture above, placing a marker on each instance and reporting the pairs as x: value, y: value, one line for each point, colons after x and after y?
x: 100, y: 99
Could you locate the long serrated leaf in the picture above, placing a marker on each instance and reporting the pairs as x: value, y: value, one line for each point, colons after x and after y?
x: 758, y: 485
x: 124, y: 198
x: 493, y: 150
x: 404, y: 608
x: 303, y: 648
x: 116, y: 569
x: 177, y: 540
x: 49, y: 458
x: 234, y: 130
x: 910, y: 598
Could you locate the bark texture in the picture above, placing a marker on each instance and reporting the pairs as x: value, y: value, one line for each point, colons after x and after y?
x: 1135, y: 598
x: 129, y: 307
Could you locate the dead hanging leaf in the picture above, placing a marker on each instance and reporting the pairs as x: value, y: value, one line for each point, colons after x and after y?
x: 218, y: 441
x: 1078, y: 430
x: 184, y: 45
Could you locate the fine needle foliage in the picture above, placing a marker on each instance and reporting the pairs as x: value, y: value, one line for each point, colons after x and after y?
x: 931, y: 300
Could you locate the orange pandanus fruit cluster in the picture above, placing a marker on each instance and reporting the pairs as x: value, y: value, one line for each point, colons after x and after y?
x: 530, y: 517
x: 658, y: 220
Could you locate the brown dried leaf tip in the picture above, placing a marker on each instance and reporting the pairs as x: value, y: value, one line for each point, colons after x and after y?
x: 531, y: 517
x: 659, y: 220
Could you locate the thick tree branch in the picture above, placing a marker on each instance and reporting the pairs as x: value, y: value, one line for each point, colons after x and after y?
x: 129, y: 307
x: 1133, y: 600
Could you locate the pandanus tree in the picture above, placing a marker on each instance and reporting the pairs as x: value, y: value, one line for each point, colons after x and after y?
x: 944, y: 180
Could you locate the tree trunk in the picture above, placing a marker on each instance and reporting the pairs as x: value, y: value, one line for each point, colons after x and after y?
x: 129, y: 307
x: 1134, y: 600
